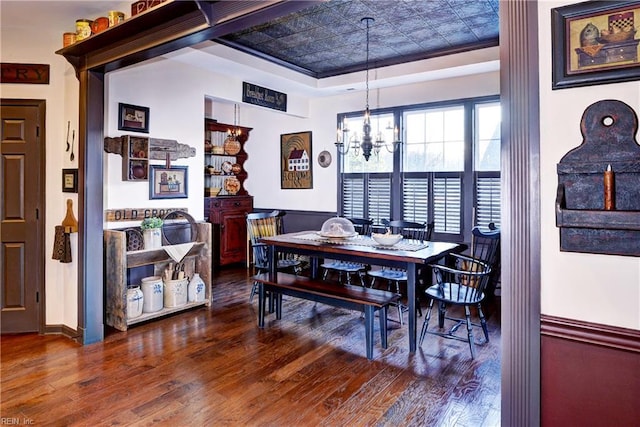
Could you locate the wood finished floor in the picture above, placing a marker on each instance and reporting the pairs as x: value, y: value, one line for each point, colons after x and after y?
x: 214, y: 367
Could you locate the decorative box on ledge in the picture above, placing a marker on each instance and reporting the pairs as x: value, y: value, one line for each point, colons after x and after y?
x: 599, y: 211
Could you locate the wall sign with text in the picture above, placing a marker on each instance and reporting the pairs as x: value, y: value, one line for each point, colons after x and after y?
x: 137, y: 214
x: 25, y: 73
x: 258, y: 95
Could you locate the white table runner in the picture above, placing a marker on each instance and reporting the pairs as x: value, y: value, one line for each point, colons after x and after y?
x: 403, y: 245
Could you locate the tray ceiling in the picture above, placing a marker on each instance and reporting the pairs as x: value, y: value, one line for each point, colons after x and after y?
x: 329, y: 38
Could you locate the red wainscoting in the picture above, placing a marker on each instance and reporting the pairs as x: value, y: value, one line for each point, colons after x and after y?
x: 590, y: 374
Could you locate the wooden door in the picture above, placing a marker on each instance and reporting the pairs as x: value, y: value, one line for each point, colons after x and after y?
x: 22, y: 215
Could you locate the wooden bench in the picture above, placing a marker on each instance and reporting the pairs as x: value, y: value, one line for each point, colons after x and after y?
x: 355, y: 298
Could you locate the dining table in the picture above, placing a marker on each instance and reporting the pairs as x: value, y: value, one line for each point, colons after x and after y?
x: 411, y: 255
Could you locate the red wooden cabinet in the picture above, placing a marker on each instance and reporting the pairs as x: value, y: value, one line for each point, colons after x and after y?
x: 228, y: 216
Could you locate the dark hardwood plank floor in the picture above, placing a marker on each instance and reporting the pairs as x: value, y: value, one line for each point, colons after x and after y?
x: 214, y: 366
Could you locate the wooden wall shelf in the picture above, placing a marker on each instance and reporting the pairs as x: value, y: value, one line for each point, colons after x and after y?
x: 165, y: 27
x: 119, y: 263
x: 609, y: 129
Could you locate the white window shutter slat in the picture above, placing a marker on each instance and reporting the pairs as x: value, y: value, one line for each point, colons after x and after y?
x: 447, y: 204
x: 415, y: 199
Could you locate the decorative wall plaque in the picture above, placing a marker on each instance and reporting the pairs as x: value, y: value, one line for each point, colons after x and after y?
x: 598, y: 197
x: 158, y: 148
x: 258, y: 95
x: 24, y: 73
x: 137, y: 214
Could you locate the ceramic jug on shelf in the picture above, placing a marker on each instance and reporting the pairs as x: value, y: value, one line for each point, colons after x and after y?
x: 152, y: 290
x: 196, y: 289
x: 175, y: 292
x: 135, y: 301
x: 152, y: 238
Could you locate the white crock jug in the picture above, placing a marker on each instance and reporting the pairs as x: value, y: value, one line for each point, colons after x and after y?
x: 135, y: 300
x: 152, y: 290
x: 196, y: 289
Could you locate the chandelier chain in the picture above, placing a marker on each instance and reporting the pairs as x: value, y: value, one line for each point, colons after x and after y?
x: 368, y: 144
x: 368, y: 20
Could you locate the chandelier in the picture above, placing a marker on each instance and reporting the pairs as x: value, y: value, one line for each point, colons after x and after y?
x: 235, y: 133
x: 368, y: 144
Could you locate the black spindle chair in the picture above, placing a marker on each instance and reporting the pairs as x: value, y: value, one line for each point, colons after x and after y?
x: 394, y: 276
x: 267, y: 224
x: 463, y: 285
x: 346, y: 268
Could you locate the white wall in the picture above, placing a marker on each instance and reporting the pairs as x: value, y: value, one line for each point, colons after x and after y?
x: 596, y: 288
x: 174, y: 84
x: 177, y: 97
x: 173, y: 94
x: 20, y: 44
x: 182, y: 118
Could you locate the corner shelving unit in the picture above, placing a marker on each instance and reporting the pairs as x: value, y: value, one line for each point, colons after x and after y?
x: 225, y: 209
x: 221, y: 158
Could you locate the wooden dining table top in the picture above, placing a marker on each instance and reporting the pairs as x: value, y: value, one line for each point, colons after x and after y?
x: 414, y: 252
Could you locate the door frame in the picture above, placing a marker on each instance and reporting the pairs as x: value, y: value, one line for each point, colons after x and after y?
x: 520, y: 364
x: 41, y: 105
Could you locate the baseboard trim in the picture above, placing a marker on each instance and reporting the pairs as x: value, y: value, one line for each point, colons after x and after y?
x: 63, y: 330
x: 592, y: 333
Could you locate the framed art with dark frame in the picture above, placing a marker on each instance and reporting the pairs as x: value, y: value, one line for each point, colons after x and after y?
x: 296, y: 170
x: 595, y: 43
x: 168, y: 183
x: 69, y: 180
x: 133, y: 118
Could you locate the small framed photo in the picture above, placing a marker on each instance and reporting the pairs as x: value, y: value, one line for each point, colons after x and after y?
x: 168, y: 183
x: 133, y: 118
x: 595, y: 42
x: 69, y: 180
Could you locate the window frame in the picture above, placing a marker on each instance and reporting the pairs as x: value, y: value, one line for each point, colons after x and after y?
x: 467, y: 176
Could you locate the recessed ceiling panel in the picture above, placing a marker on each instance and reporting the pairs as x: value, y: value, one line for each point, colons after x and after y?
x: 329, y: 39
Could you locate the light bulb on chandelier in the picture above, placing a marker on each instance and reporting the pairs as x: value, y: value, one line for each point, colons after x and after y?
x: 344, y: 143
x: 236, y: 131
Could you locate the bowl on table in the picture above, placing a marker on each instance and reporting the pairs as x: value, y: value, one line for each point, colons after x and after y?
x: 386, y: 239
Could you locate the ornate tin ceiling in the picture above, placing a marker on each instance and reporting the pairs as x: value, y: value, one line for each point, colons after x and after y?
x: 329, y: 38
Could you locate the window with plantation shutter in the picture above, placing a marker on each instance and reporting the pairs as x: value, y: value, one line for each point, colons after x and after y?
x: 447, y: 204
x: 379, y: 198
x: 487, y: 199
x: 487, y: 164
x: 352, y: 197
x: 446, y: 170
x: 415, y: 199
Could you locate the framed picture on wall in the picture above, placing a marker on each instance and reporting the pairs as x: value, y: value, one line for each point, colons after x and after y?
x: 595, y: 43
x: 295, y: 161
x: 69, y: 180
x: 168, y: 183
x: 133, y: 118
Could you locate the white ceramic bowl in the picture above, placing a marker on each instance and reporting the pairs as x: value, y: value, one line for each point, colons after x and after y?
x: 387, y: 239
